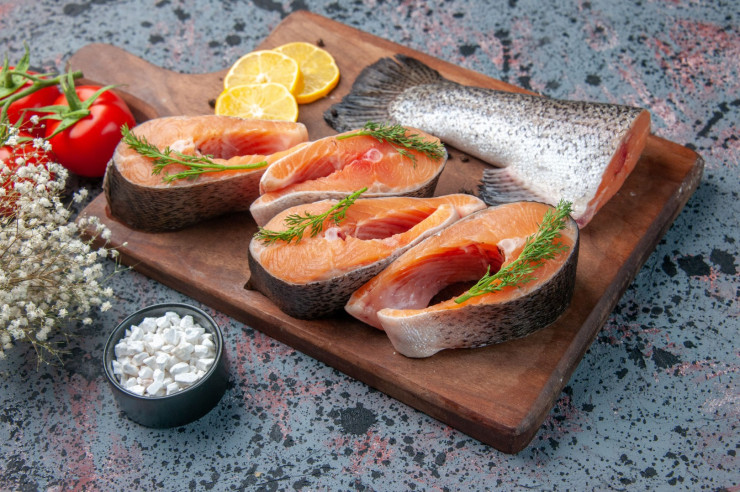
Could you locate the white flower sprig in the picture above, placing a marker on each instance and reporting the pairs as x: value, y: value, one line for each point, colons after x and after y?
x: 51, y: 276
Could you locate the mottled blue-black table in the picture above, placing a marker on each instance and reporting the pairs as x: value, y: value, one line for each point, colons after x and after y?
x: 654, y: 404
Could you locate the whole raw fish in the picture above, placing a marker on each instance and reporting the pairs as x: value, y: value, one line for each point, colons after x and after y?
x: 546, y: 149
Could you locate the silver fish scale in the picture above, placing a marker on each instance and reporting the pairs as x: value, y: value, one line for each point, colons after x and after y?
x: 553, y: 148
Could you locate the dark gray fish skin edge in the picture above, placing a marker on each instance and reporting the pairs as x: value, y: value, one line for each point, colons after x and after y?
x: 314, y: 299
x: 167, y: 209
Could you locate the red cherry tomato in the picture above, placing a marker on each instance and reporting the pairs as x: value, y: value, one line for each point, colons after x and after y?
x: 23, y: 107
x: 86, y: 147
x: 9, y: 156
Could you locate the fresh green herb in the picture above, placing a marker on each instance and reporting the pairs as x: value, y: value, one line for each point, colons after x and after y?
x: 298, y: 223
x: 538, y: 248
x: 197, y: 164
x: 396, y: 136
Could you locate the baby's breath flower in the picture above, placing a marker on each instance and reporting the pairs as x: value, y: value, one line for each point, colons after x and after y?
x: 80, y: 195
x: 50, y: 275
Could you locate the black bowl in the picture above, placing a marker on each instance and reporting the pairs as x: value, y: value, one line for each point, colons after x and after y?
x: 186, y: 405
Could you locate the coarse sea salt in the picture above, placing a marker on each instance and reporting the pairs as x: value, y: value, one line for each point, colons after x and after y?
x: 161, y: 356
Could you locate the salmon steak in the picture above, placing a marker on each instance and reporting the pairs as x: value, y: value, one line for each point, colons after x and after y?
x: 315, y: 276
x: 414, y: 299
x: 541, y: 148
x: 145, y: 200
x: 336, y: 166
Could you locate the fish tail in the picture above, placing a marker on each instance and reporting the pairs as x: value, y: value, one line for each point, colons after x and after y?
x: 501, y: 185
x: 374, y: 90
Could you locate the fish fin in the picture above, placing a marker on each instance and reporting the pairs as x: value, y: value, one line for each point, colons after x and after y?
x: 500, y: 185
x: 375, y: 88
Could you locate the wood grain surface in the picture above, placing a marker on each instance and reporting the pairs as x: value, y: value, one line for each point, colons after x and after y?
x: 499, y: 394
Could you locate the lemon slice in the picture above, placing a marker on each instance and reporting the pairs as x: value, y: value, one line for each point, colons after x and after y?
x: 271, y: 101
x: 318, y: 69
x: 262, y: 67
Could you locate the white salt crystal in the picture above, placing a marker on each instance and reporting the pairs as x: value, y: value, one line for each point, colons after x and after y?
x: 139, y: 358
x: 154, y: 388
x: 162, y: 360
x: 130, y: 369
x: 171, y: 362
x: 186, y: 378
x: 146, y: 373
x: 192, y: 335
x: 171, y: 336
x: 150, y: 361
x: 207, y: 342
x: 172, y: 318
x: 172, y: 388
x: 200, y: 351
x: 158, y: 375
x: 183, y: 351
x: 121, y: 350
x: 135, y: 346
x: 148, y: 325
x: 186, y: 322
x: 117, y: 367
x: 204, y: 364
x: 136, y: 333
x: 138, y: 389
x: 154, y: 343
x: 179, y: 368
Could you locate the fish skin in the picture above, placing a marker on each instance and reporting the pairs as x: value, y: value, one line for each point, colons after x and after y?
x: 328, y: 294
x: 158, y: 206
x: 392, y: 302
x: 547, y: 149
x: 311, y: 300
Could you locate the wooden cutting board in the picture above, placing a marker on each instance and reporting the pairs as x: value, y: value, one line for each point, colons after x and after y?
x: 499, y: 394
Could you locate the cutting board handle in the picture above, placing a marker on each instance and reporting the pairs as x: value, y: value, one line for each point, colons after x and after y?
x: 149, y: 90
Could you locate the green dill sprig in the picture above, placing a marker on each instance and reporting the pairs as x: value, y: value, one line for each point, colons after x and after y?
x: 538, y: 248
x: 197, y: 165
x: 396, y: 136
x: 299, y: 223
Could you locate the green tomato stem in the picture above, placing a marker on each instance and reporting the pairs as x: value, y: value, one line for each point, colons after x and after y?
x: 39, y: 83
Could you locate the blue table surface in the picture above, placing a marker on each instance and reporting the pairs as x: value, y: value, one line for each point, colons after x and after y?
x: 653, y: 405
